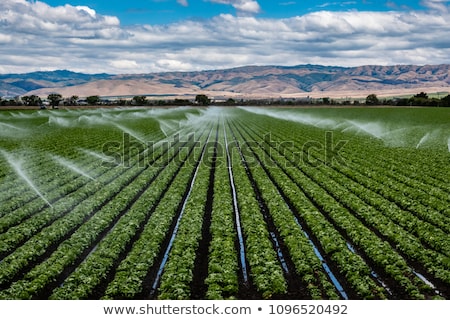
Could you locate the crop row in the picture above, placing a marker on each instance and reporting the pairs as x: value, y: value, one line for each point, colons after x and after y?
x: 265, y: 270
x: 264, y: 217
x: 16, y: 235
x: 177, y: 274
x: 338, y: 219
x: 308, y: 266
x: 421, y: 221
x: 374, y: 179
x: 91, y: 228
x: 41, y: 241
x: 306, y: 183
x: 223, y: 266
x: 19, y: 212
x: 383, y: 220
x: 413, y: 189
x: 54, y: 181
x: 133, y: 275
x: 96, y: 267
x: 429, y: 226
x: 400, y: 165
x: 37, y: 163
x: 348, y: 264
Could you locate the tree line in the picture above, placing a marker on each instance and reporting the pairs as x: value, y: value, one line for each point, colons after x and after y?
x: 55, y: 100
x: 420, y: 99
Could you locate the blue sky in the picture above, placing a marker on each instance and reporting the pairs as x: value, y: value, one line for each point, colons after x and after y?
x: 141, y: 36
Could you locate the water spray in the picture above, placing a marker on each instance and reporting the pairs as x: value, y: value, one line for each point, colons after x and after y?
x: 71, y: 166
x: 16, y: 165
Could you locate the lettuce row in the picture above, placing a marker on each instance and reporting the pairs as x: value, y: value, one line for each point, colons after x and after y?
x: 178, y: 272
x: 265, y: 269
x: 98, y: 264
x: 353, y: 269
x: 411, y: 283
x: 308, y: 265
x: 222, y: 279
x: 131, y: 272
x: 68, y: 251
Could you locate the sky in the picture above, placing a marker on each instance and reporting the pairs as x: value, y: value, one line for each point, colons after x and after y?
x: 142, y: 36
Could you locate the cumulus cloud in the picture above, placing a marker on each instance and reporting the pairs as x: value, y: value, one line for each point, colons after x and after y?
x: 38, y: 17
x: 36, y: 36
x: 439, y: 5
x: 243, y: 6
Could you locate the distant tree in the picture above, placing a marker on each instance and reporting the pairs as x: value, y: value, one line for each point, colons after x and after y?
x: 32, y: 100
x: 121, y: 102
x: 388, y: 102
x: 181, y: 102
x: 421, y: 99
x: 372, y: 100
x: 139, y: 100
x: 202, y: 100
x: 445, y: 102
x: 230, y: 102
x: 55, y: 99
x: 73, y: 100
x: 326, y: 100
x: 26, y: 100
x: 421, y: 95
x: 402, y: 102
x: 93, y: 100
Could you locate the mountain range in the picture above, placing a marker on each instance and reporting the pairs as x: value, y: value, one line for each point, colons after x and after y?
x: 242, y: 82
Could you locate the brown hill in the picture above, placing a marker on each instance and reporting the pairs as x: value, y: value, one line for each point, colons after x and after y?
x: 257, y: 82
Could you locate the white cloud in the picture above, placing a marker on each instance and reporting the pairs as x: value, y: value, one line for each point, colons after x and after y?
x: 5, y: 38
x: 36, y: 36
x: 124, y: 64
x: 244, y: 6
x: 173, y: 65
x: 440, y: 5
x: 39, y: 18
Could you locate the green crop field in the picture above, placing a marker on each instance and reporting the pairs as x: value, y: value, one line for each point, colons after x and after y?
x: 225, y: 203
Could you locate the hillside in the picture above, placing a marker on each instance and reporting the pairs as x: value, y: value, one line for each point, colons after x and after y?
x: 21, y: 84
x: 249, y: 81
